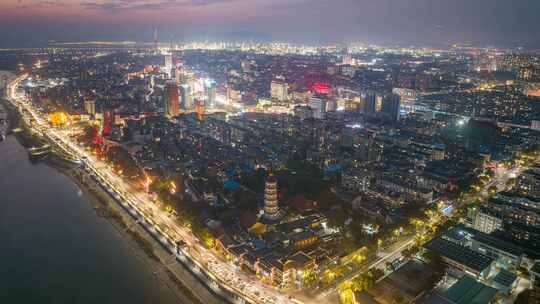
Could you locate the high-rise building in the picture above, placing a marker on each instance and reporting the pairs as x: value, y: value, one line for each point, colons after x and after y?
x: 169, y: 65
x: 279, y: 90
x: 318, y: 105
x: 210, y: 92
x: 271, y: 207
x: 407, y: 95
x: 378, y: 103
x: 487, y: 220
x: 391, y: 106
x: 529, y: 73
x: 179, y: 75
x: 186, y: 97
x: 172, y: 100
x: 369, y: 102
x: 90, y: 106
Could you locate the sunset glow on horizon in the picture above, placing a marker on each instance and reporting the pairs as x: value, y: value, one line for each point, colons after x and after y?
x: 383, y: 21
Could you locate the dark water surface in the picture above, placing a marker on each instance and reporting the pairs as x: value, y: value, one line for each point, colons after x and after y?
x: 55, y: 249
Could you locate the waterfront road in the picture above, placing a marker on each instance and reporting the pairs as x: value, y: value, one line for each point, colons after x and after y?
x: 225, y: 279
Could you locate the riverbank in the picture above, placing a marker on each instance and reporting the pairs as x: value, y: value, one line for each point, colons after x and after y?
x: 142, y: 245
x: 164, y: 266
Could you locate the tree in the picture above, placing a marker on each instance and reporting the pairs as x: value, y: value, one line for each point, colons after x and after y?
x: 409, y: 252
x: 347, y: 289
x: 124, y: 162
x: 376, y: 274
x: 337, y: 219
x: 434, y: 260
x: 204, y: 235
x: 363, y: 282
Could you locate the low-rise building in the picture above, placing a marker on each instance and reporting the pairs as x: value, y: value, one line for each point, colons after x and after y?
x: 468, y: 291
x: 505, y: 253
x: 460, y: 259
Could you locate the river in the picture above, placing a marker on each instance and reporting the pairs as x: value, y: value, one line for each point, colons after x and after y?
x: 55, y: 249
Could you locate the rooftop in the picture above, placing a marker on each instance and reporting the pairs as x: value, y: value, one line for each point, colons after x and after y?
x: 469, y: 291
x: 458, y: 233
x: 505, y: 278
x: 459, y: 254
x: 498, y: 243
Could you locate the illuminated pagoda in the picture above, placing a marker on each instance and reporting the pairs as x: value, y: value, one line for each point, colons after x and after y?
x: 271, y: 213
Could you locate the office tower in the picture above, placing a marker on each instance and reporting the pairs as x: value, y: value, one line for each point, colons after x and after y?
x: 186, y: 98
x: 378, y: 103
x: 391, y: 106
x: 318, y: 105
x: 172, y: 101
x: 279, y: 90
x: 210, y: 92
x: 369, y: 102
x: 90, y: 107
x: 192, y: 83
x: 178, y: 75
x: 168, y: 65
x: 271, y: 207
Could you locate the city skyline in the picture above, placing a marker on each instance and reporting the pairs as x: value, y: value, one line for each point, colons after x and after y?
x: 26, y: 23
x: 270, y: 151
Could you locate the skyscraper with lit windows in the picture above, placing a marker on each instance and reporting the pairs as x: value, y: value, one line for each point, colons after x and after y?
x: 279, y: 90
x: 172, y: 100
x: 391, y: 106
x: 318, y: 105
x: 186, y: 98
x: 369, y: 101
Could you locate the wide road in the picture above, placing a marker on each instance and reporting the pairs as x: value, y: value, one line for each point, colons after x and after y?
x: 219, y: 274
x: 502, y: 175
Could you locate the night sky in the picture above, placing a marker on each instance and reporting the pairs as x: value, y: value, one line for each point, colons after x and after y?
x: 405, y: 22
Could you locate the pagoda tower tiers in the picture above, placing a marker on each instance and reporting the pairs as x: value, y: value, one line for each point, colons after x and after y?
x: 271, y: 212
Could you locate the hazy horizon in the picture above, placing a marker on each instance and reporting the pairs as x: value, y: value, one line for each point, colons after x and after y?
x: 407, y: 22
